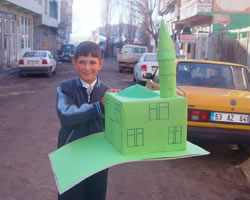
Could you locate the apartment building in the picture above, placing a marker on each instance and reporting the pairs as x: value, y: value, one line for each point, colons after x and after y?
x: 25, y: 25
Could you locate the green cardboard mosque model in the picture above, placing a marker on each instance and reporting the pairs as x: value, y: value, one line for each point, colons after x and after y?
x: 140, y: 124
x: 160, y: 128
x: 163, y: 117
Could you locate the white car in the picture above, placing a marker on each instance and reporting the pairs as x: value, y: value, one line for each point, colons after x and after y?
x: 129, y: 56
x: 146, y: 64
x: 37, y: 62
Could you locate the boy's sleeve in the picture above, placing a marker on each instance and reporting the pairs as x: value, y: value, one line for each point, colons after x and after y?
x: 71, y: 115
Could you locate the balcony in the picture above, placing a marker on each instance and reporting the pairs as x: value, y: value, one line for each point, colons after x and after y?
x: 49, y: 21
x: 166, y: 6
x: 27, y: 6
x: 195, y: 7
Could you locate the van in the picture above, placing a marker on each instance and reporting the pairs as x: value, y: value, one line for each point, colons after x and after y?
x: 66, y: 53
x: 129, y: 55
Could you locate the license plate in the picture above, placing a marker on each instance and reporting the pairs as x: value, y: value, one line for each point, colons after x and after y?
x: 230, y: 117
x: 32, y: 62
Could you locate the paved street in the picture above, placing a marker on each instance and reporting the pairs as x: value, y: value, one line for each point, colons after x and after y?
x: 28, y: 132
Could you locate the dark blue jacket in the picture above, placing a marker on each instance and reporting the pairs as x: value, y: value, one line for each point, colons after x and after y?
x: 78, y: 117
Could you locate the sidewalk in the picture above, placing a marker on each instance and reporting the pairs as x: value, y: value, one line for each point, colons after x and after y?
x: 7, y: 72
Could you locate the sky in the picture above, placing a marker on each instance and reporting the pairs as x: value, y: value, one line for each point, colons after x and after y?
x: 86, y: 17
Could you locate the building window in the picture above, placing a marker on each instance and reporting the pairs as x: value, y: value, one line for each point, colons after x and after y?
x: 5, y: 26
x: 1, y: 34
x: 22, y: 25
x: 26, y: 32
x: 5, y: 42
x: 12, y: 27
x: 29, y: 33
x: 46, y: 7
x: 26, y: 26
x: 53, y: 9
x: 22, y: 43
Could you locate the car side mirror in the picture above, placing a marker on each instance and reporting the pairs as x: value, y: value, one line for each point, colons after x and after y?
x: 148, y: 76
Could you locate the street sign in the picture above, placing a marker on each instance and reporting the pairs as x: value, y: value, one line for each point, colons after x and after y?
x: 184, y: 38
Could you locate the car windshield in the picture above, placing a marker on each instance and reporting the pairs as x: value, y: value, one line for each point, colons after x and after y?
x: 35, y: 54
x: 205, y: 75
x: 134, y: 50
x: 150, y: 58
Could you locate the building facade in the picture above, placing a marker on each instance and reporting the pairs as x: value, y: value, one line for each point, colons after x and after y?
x: 46, y: 26
x: 16, y: 29
x: 197, y: 24
x: 65, y: 25
x: 26, y: 25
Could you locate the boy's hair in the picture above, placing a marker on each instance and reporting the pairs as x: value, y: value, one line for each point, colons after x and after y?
x: 88, y: 48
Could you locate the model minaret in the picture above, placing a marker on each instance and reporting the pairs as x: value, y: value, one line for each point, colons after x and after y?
x: 166, y: 59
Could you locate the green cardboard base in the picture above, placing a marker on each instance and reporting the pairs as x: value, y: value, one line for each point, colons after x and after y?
x: 82, y: 158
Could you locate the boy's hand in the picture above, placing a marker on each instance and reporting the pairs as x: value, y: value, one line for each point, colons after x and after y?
x: 114, y: 90
x: 110, y: 90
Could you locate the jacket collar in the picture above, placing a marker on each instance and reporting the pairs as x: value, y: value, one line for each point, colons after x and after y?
x: 78, y: 82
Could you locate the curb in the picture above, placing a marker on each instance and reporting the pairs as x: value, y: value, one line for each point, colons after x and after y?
x: 8, y: 72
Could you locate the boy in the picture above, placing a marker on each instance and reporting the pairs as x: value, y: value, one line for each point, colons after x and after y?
x: 80, y: 108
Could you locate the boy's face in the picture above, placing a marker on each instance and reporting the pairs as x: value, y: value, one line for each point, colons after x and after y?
x: 88, y: 67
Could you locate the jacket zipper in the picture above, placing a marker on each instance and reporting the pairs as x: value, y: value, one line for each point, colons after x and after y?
x: 88, y: 98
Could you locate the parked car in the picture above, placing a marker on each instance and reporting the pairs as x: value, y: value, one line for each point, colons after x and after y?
x: 218, y: 96
x: 37, y: 62
x: 129, y: 56
x: 66, y: 53
x: 146, y: 64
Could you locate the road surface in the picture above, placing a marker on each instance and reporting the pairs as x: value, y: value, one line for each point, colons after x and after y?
x: 29, y: 128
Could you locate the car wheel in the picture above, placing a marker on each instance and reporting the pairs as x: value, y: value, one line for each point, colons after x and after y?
x: 21, y: 74
x: 50, y: 73
x: 54, y: 71
x: 134, y: 78
x: 244, y: 147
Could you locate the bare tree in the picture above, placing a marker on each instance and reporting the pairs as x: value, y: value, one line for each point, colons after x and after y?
x: 107, y: 14
x: 147, y: 9
x: 133, y: 22
x: 121, y: 11
x: 128, y: 19
x: 132, y: 13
